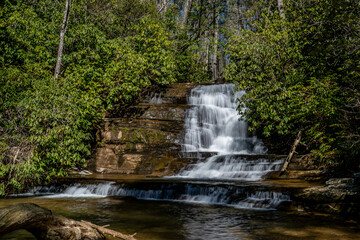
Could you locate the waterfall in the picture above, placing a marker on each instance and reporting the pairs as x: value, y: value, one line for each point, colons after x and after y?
x: 205, y: 193
x: 232, y: 167
x: 156, y: 99
x: 212, y: 129
x: 213, y: 125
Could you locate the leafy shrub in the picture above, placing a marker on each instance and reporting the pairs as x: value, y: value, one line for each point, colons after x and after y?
x: 113, y: 51
x: 302, y: 74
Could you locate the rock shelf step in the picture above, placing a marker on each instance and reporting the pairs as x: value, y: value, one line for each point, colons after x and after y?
x: 148, y: 143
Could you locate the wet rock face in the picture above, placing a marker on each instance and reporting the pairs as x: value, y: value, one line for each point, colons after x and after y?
x: 148, y: 143
x: 339, y: 196
x: 169, y: 112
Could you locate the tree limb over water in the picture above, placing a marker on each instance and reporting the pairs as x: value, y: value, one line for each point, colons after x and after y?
x: 43, y: 224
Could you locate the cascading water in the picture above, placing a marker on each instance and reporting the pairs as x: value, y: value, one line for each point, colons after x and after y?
x: 212, y: 125
x: 156, y: 99
x: 232, y: 167
x: 200, y: 193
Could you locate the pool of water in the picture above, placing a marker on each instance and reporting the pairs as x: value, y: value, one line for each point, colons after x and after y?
x: 164, y: 220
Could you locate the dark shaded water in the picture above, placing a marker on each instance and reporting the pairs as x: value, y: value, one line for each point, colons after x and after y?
x: 159, y: 220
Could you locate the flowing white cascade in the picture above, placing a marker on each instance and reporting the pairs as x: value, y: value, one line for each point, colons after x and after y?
x: 156, y: 99
x: 232, y: 196
x: 212, y: 125
x: 232, y: 167
x: 86, y: 191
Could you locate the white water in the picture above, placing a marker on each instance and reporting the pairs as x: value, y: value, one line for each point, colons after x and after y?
x: 232, y: 167
x: 232, y: 196
x: 156, y: 99
x: 212, y: 125
x: 86, y: 191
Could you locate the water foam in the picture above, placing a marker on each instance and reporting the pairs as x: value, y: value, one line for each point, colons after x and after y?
x: 225, y: 195
x: 213, y: 125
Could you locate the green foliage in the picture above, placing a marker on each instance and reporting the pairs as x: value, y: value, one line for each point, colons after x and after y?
x: 302, y: 73
x: 191, y: 64
x: 113, y: 51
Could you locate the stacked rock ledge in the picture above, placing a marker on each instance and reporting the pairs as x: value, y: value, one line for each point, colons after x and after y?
x: 149, y: 143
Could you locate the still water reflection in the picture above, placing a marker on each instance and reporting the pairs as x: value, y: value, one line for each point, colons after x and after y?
x: 158, y: 220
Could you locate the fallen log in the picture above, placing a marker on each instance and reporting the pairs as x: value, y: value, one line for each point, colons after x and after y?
x: 44, y: 224
x: 291, y: 153
x: 110, y: 232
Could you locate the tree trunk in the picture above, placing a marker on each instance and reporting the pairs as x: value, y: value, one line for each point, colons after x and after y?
x: 199, y: 7
x: 162, y: 6
x: 165, y: 4
x: 187, y: 7
x: 221, y: 62
x: 216, y: 39
x: 280, y: 4
x: 43, y: 224
x: 240, y: 17
x: 292, y: 152
x: 207, y: 52
x: 62, y: 38
x: 110, y: 232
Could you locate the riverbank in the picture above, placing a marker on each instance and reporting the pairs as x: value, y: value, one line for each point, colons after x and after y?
x: 340, y: 196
